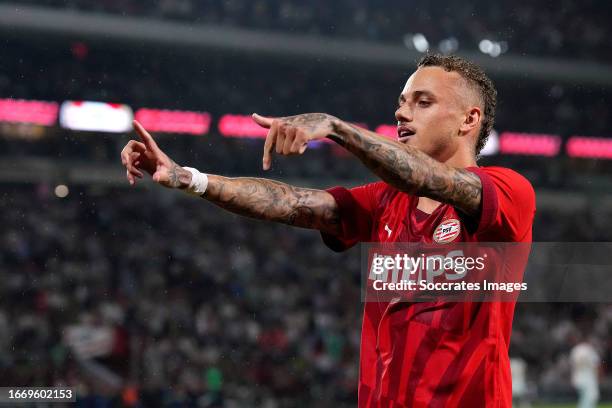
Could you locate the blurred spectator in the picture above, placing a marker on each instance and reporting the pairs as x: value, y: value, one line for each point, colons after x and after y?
x: 219, y: 310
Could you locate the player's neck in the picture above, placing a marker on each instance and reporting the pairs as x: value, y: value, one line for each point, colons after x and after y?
x: 461, y: 159
x: 427, y: 205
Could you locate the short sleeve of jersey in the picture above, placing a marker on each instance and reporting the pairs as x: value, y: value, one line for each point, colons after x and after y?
x: 356, y: 208
x: 508, y: 205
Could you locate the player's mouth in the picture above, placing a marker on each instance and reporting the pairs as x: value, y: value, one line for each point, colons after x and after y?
x: 404, y: 133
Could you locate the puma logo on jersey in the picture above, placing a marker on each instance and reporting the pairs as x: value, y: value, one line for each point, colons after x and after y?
x: 388, y: 230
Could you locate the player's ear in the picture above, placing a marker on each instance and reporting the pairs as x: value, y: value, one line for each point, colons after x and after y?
x: 471, y: 120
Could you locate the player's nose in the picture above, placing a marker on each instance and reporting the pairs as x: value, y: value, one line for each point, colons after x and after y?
x: 403, y: 114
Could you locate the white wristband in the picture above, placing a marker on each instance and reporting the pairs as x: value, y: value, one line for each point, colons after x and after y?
x: 199, y: 182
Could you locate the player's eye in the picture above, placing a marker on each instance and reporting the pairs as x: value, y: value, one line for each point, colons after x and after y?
x: 424, y: 104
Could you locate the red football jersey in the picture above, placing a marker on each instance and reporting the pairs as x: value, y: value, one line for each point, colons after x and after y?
x: 424, y: 354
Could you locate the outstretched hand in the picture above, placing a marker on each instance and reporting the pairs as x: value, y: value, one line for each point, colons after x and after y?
x: 146, y: 155
x: 290, y: 135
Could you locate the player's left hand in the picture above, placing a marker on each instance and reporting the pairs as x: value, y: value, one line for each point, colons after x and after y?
x: 290, y: 135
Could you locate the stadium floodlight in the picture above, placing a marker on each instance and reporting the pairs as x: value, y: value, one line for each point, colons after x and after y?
x: 420, y: 42
x: 493, y: 48
x: 485, y: 46
x: 448, y: 45
x: 61, y: 191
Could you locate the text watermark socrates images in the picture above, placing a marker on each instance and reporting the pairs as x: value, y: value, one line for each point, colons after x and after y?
x: 531, y: 272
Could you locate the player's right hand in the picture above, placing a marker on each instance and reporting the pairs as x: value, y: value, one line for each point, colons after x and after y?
x: 146, y: 155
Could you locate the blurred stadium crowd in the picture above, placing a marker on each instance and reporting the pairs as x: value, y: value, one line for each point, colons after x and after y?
x: 242, y: 84
x: 191, y: 307
x: 245, y: 84
x: 570, y: 28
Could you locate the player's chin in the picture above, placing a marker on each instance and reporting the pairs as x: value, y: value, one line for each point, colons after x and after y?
x: 409, y: 140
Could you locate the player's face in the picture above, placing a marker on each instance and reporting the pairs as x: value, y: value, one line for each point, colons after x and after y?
x: 431, y: 111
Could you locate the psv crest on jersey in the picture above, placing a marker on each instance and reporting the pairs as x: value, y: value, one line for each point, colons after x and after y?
x: 447, y: 231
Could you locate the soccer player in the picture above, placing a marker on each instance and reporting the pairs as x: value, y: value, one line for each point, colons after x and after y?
x: 518, y: 368
x: 585, y: 363
x: 441, y: 354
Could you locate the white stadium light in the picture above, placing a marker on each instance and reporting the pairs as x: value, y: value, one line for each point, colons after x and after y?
x: 420, y: 42
x: 61, y: 191
x: 96, y: 116
x: 496, y: 50
x: 448, y: 45
x: 485, y: 46
x: 493, y: 48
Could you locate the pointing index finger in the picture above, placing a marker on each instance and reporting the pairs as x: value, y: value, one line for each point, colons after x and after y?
x: 262, y: 120
x: 146, y: 137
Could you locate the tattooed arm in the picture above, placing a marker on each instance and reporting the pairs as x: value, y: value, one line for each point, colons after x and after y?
x: 252, y: 197
x: 408, y: 169
x: 274, y: 201
x: 268, y: 200
x: 402, y: 166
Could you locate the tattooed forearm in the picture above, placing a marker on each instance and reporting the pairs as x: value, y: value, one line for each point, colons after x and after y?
x: 410, y: 170
x: 274, y: 201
